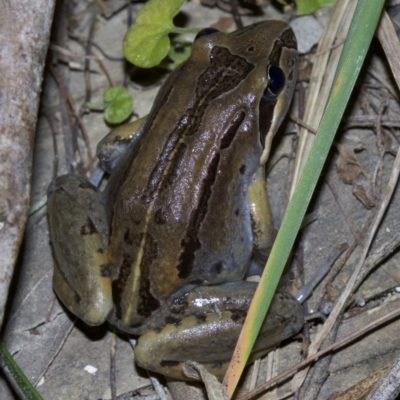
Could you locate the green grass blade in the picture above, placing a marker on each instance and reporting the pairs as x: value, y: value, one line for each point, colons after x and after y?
x: 21, y: 380
x: 362, y: 29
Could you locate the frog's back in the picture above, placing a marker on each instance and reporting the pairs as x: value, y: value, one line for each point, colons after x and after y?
x: 180, y: 211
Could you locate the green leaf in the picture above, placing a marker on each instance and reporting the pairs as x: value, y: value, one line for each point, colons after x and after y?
x: 146, y: 42
x: 146, y: 46
x: 309, y: 6
x: 119, y: 104
x: 20, y: 378
x: 159, y: 12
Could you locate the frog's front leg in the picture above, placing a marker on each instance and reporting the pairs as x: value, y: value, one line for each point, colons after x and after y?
x: 114, y: 145
x: 203, y: 325
x: 262, y: 221
x: 79, y: 236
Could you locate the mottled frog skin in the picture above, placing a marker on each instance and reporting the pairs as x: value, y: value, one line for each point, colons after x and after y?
x: 163, y: 251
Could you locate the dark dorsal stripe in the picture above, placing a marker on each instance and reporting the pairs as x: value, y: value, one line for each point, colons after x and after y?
x: 224, y: 73
x: 191, y: 242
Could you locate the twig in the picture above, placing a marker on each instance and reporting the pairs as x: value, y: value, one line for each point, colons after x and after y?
x: 235, y: 13
x: 303, y: 124
x: 70, y: 101
x: 60, y: 74
x: 376, y: 258
x: 367, y: 121
x: 113, y: 380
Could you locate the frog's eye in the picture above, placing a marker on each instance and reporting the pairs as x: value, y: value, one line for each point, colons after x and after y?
x: 205, y: 32
x: 276, y: 78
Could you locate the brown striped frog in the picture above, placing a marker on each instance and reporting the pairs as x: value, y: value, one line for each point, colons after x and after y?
x: 163, y: 251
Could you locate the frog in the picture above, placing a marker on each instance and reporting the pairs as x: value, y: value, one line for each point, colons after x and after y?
x: 163, y: 250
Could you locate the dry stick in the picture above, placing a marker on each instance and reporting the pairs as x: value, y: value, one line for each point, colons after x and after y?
x: 50, y: 308
x: 62, y: 75
x: 105, y: 55
x: 235, y: 13
x: 88, y: 92
x: 370, y: 121
x: 100, y: 63
x: 384, y: 82
x: 380, y: 146
x: 70, y: 101
x: 68, y: 53
x: 66, y: 122
x: 82, y: 128
x: 377, y: 257
x: 158, y: 388
x: 335, y: 346
x: 393, y: 275
x: 113, y: 380
x: 54, y: 130
x: 309, y: 287
x: 88, y: 50
x: 105, y: 72
x: 303, y: 124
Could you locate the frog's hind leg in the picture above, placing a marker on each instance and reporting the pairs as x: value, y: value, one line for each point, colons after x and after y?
x: 79, y: 237
x: 204, y: 323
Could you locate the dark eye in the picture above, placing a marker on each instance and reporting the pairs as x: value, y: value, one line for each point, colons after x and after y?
x: 205, y: 32
x: 276, y: 80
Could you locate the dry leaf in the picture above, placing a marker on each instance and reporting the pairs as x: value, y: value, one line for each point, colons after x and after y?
x: 363, y: 189
x: 351, y: 172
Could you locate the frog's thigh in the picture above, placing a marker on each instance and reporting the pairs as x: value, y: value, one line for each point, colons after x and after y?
x: 79, y: 238
x: 211, y: 338
x: 261, y: 217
